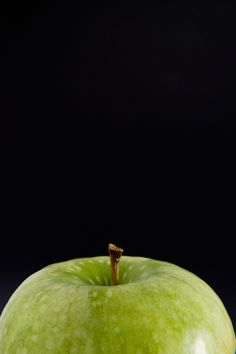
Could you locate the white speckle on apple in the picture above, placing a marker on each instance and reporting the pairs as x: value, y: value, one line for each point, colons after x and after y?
x: 143, y: 267
x: 25, y: 306
x: 97, y: 303
x: 155, y: 337
x: 22, y: 350
x: 145, y: 274
x: 56, y: 287
x: 125, y: 274
x: 199, y: 347
x: 117, y: 330
x: 55, y: 330
x: 36, y: 326
x: 109, y: 293
x: 34, y: 338
x: 43, y: 298
x: 43, y: 308
x: 49, y: 345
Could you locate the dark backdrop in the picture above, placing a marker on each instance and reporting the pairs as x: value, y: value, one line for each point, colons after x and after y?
x: 118, y: 125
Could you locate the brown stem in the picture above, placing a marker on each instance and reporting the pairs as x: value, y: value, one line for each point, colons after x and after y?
x: 115, y: 254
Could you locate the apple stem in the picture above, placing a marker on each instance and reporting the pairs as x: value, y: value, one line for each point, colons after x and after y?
x: 115, y: 254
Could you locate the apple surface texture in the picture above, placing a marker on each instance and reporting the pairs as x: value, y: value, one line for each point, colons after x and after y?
x: 157, y: 308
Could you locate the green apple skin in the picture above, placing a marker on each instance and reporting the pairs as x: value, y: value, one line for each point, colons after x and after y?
x: 157, y: 308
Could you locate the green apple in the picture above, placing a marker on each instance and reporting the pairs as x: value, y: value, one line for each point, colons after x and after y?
x: 157, y: 308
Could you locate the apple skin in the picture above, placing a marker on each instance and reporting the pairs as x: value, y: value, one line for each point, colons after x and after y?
x: 157, y: 308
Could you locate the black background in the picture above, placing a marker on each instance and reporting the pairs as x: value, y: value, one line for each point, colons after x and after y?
x: 118, y: 125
